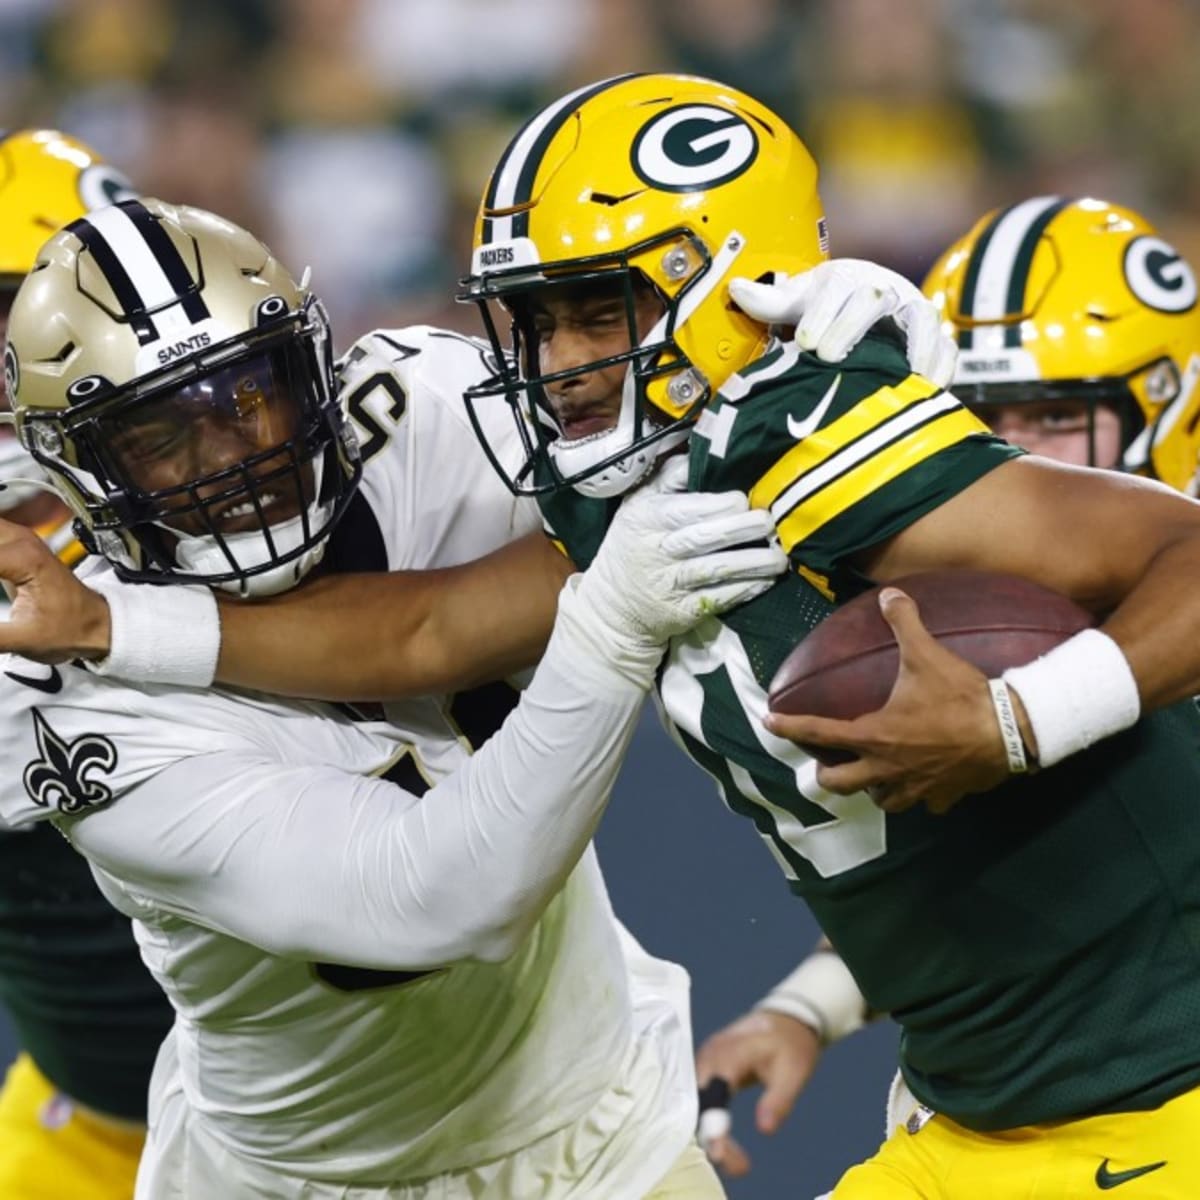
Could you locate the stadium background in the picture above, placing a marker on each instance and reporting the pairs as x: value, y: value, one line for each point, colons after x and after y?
x: 355, y: 136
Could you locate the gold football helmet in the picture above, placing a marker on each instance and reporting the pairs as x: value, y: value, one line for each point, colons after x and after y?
x: 1080, y: 301
x: 46, y: 180
x: 663, y: 181
x: 178, y: 385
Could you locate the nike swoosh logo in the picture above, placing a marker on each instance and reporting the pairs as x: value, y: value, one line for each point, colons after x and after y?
x: 801, y: 429
x: 1106, y: 1179
x: 50, y: 684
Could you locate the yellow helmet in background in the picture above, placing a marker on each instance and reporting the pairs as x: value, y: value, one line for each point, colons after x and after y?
x: 1080, y: 300
x: 663, y: 181
x: 47, y: 179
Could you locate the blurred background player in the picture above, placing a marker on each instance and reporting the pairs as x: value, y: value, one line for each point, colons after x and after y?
x: 88, y: 1016
x: 1079, y: 340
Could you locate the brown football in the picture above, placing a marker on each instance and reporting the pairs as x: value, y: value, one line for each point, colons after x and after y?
x: 846, y: 667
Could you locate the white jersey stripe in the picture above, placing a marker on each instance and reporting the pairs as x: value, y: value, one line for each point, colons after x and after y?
x: 139, y: 261
x: 860, y: 451
x: 995, y: 271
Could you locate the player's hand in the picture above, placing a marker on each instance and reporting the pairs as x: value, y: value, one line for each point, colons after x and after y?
x: 672, y: 557
x: 834, y: 305
x: 934, y: 741
x: 771, y: 1049
x: 54, y: 618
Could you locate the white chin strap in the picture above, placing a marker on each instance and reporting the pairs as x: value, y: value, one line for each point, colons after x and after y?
x: 580, y: 454
x: 203, y: 556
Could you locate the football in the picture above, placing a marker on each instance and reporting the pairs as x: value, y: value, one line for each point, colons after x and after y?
x: 846, y: 667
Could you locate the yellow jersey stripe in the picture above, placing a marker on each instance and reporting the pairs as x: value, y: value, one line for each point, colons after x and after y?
x: 822, y: 444
x: 870, y: 475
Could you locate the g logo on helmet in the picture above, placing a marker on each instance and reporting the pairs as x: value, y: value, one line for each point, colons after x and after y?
x: 100, y: 185
x: 693, y: 147
x: 1158, y: 276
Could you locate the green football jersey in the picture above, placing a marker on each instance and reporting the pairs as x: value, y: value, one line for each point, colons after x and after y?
x: 83, y: 1005
x: 1039, y: 945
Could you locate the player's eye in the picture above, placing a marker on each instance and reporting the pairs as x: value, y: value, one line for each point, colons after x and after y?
x: 1067, y: 419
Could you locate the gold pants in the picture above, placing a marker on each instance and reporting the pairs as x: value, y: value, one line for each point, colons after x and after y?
x: 52, y: 1150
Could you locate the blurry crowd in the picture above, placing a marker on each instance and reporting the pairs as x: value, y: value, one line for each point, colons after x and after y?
x: 356, y: 135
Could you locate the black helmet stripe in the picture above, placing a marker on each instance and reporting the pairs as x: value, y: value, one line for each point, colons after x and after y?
x: 142, y: 266
x: 512, y: 181
x: 118, y: 279
x: 998, y: 270
x: 169, y: 258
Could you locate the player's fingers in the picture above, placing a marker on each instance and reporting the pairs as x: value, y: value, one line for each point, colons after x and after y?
x: 731, y: 567
x: 718, y: 531
x: 945, y: 362
x: 21, y: 551
x: 929, y: 350
x: 822, y: 310
x: 861, y: 310
x: 673, y: 474
x: 894, y: 798
x: 782, y: 1083
x: 844, y: 779
x: 901, y: 613
x: 773, y: 304
x: 727, y: 1155
x: 811, y: 730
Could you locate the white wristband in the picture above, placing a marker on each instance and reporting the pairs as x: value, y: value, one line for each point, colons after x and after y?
x: 1076, y: 694
x: 822, y: 993
x: 167, y: 635
x: 1010, y: 731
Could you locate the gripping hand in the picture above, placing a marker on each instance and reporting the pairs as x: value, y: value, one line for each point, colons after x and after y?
x: 834, y: 305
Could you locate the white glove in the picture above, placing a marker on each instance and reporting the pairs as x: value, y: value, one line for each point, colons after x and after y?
x: 837, y: 302
x: 669, y: 559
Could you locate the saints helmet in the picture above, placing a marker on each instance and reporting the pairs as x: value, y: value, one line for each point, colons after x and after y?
x: 663, y: 181
x: 1081, y: 301
x: 46, y: 180
x: 178, y: 385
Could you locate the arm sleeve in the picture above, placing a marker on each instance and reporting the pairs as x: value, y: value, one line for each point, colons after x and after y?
x: 322, y: 864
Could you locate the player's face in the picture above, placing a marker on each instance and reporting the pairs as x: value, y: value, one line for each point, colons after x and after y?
x: 1059, y: 430
x: 577, y: 325
x: 207, y: 426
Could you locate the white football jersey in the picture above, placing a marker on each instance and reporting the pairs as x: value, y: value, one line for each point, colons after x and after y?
x: 337, y: 1019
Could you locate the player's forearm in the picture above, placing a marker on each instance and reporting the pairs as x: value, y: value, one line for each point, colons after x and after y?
x: 409, y: 633
x: 495, y: 843
x: 1156, y: 624
x: 317, y: 863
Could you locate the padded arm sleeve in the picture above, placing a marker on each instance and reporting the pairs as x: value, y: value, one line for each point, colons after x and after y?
x: 317, y: 863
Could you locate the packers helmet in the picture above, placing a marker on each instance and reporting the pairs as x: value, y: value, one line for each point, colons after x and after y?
x: 666, y: 182
x: 46, y: 180
x: 1080, y: 301
x: 178, y: 385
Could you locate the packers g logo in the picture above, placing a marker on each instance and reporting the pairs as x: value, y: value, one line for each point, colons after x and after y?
x: 101, y: 185
x: 1158, y: 276
x: 693, y: 147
